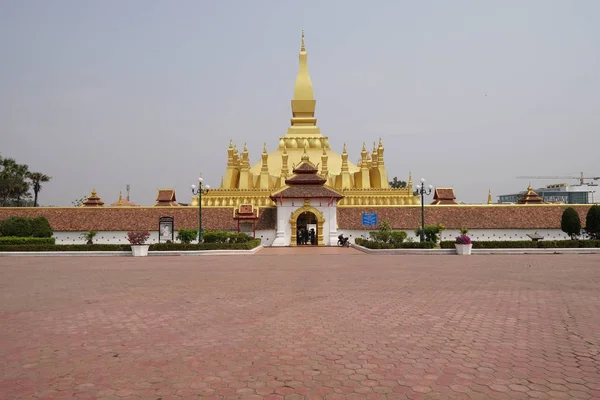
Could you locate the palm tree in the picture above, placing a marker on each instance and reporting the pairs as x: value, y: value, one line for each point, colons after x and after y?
x: 36, y: 180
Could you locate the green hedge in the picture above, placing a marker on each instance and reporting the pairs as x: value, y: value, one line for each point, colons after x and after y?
x: 16, y: 240
x: 528, y: 244
x: 26, y: 227
x: 126, y: 247
x: 225, y: 237
x: 370, y: 244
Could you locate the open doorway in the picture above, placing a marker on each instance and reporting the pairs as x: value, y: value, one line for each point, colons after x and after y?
x: 307, y: 229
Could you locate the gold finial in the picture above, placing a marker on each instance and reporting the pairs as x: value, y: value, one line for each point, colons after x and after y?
x: 305, y: 155
x: 245, y: 148
x: 120, y: 196
x: 344, y: 151
x: 302, y: 48
x: 489, y: 196
x: 380, y: 144
x: 230, y: 143
x: 364, y: 147
x: 265, y: 148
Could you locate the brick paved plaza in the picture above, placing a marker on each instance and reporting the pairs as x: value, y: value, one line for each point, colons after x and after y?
x: 291, y: 325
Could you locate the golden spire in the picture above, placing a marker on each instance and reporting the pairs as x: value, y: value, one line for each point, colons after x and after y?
x: 303, y: 120
x: 410, y: 183
x: 324, y: 168
x: 265, y: 160
x: 380, y: 153
x: 303, y: 89
x: 489, y: 196
x: 120, y: 196
x: 284, y: 163
x: 344, y: 151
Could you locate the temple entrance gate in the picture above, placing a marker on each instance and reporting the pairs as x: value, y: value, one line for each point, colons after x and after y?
x: 306, y: 222
x: 307, y: 217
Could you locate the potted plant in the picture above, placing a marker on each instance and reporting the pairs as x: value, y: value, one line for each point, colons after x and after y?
x: 463, y: 245
x: 139, y: 248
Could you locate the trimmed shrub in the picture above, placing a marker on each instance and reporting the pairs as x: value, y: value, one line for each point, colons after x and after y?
x: 370, y: 244
x: 528, y: 244
x: 431, y: 232
x: 225, y: 237
x: 570, y: 223
x: 17, y: 240
x: 592, y: 222
x: 16, y: 226
x: 186, y: 236
x: 40, y: 227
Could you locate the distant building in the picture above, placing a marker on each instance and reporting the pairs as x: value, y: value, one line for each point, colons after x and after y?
x: 557, y: 193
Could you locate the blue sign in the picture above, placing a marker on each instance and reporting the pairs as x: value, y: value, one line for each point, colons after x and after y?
x: 369, y: 219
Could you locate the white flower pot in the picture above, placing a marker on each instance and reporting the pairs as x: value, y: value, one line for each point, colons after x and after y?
x: 463, y: 249
x: 139, y: 250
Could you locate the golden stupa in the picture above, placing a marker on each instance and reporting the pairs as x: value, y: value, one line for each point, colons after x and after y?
x: 365, y: 184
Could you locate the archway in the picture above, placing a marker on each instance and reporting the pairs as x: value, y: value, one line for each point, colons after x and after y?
x: 304, y: 217
x: 306, y: 223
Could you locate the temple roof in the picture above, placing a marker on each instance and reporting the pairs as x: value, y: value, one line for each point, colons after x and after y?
x: 166, y: 198
x: 530, y: 197
x: 93, y: 200
x: 305, y: 173
x: 306, y: 183
x: 444, y: 196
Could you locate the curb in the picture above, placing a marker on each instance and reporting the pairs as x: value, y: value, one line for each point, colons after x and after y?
x: 440, y: 252
x: 128, y: 253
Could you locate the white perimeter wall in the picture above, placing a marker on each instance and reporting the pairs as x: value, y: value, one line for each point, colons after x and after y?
x: 477, y: 234
x: 120, y: 237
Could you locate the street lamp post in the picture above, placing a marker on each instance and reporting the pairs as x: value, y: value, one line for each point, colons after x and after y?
x: 199, y: 191
x: 423, y: 191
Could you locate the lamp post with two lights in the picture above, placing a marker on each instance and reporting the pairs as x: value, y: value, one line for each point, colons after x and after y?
x: 199, y: 191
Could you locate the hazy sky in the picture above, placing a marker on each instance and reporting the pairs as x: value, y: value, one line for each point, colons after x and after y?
x: 468, y: 94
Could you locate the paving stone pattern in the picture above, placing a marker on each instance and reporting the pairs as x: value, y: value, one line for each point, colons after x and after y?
x: 283, y: 326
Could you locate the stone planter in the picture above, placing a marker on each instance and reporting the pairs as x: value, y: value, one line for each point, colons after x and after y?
x: 463, y: 249
x: 139, y: 250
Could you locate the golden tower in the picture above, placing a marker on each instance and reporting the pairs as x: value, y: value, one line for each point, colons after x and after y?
x: 364, y: 185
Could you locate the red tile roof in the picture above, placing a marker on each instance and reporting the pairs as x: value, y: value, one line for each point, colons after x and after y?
x: 546, y: 216
x: 444, y: 196
x: 166, y: 198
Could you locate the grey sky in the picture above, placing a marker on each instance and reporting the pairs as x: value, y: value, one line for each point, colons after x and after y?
x: 467, y: 94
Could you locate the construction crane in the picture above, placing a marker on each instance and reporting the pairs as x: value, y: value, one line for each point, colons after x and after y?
x: 580, y: 178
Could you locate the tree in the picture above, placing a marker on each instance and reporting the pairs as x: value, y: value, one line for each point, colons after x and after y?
x: 13, y: 182
x: 592, y: 222
x: 37, y: 178
x: 570, y: 223
x: 396, y: 184
x: 79, y: 202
